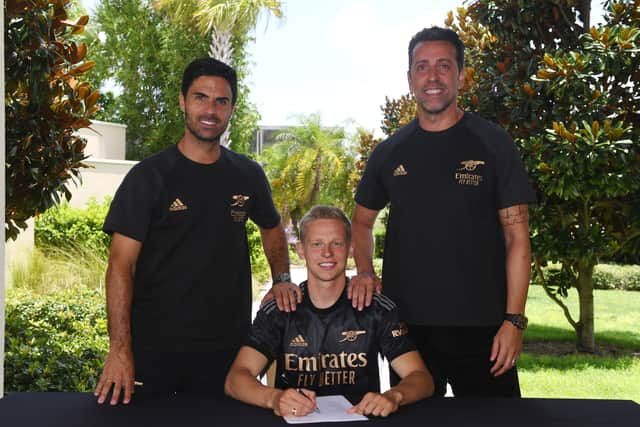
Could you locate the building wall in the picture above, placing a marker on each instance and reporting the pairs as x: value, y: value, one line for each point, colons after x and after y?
x: 106, y: 151
x: 105, y: 140
x: 102, y: 179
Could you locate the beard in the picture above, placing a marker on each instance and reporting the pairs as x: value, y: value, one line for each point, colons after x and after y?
x: 210, y: 138
x: 435, y: 109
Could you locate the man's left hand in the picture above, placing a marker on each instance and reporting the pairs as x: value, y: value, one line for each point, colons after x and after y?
x: 378, y: 405
x: 507, y: 345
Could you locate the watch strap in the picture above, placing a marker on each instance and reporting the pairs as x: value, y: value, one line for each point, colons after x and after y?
x: 282, y: 278
x: 520, y: 321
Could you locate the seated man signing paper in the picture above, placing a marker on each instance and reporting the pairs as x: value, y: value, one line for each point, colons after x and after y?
x: 325, y: 346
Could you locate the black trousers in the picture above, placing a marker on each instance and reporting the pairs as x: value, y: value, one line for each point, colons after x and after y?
x: 183, y: 371
x: 460, y: 356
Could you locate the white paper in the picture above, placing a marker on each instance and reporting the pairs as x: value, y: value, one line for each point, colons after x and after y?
x: 330, y: 409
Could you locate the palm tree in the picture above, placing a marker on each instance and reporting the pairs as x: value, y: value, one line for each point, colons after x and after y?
x: 308, y: 164
x: 221, y: 20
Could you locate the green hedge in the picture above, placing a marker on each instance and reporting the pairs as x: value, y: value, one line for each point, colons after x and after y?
x: 607, y: 276
x: 63, y: 226
x: 55, y: 342
x: 611, y: 276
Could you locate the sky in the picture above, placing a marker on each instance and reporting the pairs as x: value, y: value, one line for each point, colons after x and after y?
x: 337, y: 58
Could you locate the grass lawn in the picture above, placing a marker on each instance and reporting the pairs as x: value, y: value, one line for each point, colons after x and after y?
x: 550, y: 366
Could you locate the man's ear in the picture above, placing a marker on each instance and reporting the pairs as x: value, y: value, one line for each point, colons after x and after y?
x: 300, y: 250
x: 181, y: 101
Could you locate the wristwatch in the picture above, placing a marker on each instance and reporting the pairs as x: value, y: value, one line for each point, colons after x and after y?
x: 520, y: 321
x: 281, y: 277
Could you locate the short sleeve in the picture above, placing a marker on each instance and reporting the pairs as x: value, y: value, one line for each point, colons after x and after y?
x: 132, y: 205
x: 513, y: 182
x: 394, y: 334
x: 371, y: 192
x: 264, y: 212
x: 266, y: 331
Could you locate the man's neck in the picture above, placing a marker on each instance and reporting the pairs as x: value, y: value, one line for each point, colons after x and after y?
x: 199, y: 151
x: 441, y: 121
x: 325, y: 294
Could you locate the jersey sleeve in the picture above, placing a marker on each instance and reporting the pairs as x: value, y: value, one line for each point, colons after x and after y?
x: 394, y: 334
x: 131, y: 208
x: 264, y: 212
x: 265, y: 334
x: 371, y: 192
x: 513, y: 187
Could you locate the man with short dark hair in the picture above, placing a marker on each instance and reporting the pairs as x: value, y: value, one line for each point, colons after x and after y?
x: 457, y: 255
x: 325, y: 346
x: 178, y: 282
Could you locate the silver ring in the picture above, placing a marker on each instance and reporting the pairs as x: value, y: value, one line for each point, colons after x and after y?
x: 294, y: 411
x: 513, y: 362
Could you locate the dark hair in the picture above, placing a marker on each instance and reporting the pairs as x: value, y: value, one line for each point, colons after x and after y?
x: 438, y: 34
x: 210, y: 67
x: 323, y: 212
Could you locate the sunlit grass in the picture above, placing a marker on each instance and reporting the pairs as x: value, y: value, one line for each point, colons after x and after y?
x: 613, y: 373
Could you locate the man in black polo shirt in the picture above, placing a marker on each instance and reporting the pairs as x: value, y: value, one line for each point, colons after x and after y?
x: 179, y: 279
x: 325, y: 346
x: 457, y: 254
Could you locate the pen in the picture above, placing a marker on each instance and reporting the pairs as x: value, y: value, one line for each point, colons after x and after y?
x: 288, y: 384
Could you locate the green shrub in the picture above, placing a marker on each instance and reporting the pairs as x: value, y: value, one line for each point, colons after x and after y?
x: 378, y: 243
x: 260, y: 271
x: 55, y: 342
x: 605, y: 276
x: 50, y: 269
x: 63, y: 226
x: 622, y: 277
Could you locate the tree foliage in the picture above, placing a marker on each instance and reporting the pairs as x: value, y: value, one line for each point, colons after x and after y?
x: 227, y: 24
x: 308, y: 165
x: 569, y: 95
x: 46, y: 101
x: 143, y: 54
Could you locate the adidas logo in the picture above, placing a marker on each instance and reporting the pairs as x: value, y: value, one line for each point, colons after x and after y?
x: 400, y: 171
x: 298, y: 341
x: 177, y: 205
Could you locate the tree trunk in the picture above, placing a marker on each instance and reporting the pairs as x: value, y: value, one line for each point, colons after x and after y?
x: 222, y: 50
x: 585, y: 328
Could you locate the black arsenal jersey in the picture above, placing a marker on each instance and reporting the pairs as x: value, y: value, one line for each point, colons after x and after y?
x: 333, y: 350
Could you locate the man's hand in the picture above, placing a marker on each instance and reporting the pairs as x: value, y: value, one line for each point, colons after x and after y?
x: 293, y: 402
x: 118, y: 373
x: 378, y: 405
x: 361, y: 288
x: 507, y: 345
x: 287, y: 296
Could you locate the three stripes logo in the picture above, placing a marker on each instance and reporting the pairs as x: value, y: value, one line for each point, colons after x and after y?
x: 298, y: 341
x: 177, y: 205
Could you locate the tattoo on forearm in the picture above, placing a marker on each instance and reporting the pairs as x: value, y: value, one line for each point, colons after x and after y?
x: 512, y: 215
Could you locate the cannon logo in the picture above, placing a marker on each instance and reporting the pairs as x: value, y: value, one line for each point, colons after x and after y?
x: 351, y: 336
x: 470, y: 165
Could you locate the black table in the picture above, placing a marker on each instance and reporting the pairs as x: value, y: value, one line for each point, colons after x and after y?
x: 80, y: 409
